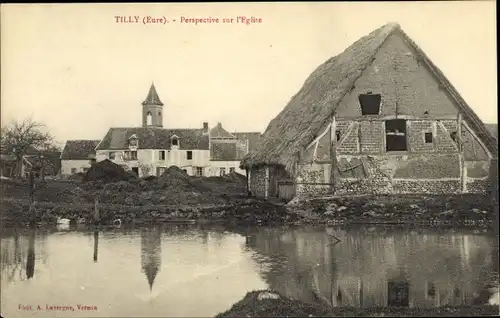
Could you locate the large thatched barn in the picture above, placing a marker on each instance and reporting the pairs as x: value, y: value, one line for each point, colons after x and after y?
x: 378, y: 118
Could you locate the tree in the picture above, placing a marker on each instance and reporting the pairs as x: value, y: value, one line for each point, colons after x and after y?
x: 20, y: 137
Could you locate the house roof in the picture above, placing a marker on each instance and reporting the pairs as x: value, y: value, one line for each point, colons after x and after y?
x: 79, y: 149
x: 219, y: 132
x: 493, y: 129
x: 152, y: 98
x: 296, y: 126
x: 252, y: 137
x: 154, y: 138
x: 220, y: 151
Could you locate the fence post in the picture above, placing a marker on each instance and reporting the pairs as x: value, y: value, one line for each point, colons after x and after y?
x: 32, y: 208
x: 96, y: 210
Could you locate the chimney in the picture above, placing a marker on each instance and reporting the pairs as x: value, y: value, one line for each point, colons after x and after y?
x: 205, y: 127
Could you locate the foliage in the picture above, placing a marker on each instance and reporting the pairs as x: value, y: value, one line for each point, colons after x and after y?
x: 22, y: 137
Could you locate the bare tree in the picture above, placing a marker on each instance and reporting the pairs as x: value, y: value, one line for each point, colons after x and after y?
x: 19, y: 137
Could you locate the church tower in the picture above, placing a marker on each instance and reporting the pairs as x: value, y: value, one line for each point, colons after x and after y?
x: 152, y: 110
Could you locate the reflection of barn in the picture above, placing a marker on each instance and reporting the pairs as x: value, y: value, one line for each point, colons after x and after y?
x: 372, y: 270
x: 150, y: 254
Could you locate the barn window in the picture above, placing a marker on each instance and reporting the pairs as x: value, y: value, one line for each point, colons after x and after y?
x: 395, y: 135
x: 189, y: 155
x: 428, y: 138
x: 370, y: 103
x: 431, y: 290
x: 162, y: 154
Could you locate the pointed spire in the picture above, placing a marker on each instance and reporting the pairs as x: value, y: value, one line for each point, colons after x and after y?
x: 152, y: 98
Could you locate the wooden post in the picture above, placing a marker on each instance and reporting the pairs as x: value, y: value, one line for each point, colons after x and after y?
x: 266, y: 182
x: 30, y: 261
x: 333, y: 153
x: 96, y: 210
x: 96, y: 245
x: 463, y: 168
x: 32, y: 209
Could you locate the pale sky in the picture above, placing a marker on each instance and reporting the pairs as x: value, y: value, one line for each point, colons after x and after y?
x: 72, y: 67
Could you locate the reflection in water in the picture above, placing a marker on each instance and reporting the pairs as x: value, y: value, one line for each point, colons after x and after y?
x: 366, y: 268
x: 30, y: 260
x: 151, y: 253
x: 17, y: 255
x: 96, y: 245
x: 371, y: 269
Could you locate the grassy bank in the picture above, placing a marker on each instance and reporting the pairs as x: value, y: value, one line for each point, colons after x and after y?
x: 224, y: 200
x: 253, y: 306
x: 445, y: 210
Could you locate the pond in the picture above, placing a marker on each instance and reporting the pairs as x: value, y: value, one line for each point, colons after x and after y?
x: 199, y: 271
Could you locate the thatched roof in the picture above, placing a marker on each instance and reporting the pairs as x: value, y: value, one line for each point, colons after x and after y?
x: 493, y: 128
x: 296, y: 126
x: 79, y: 149
x: 153, y: 138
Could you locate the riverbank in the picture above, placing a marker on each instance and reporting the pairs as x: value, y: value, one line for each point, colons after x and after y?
x: 272, y: 304
x: 224, y: 200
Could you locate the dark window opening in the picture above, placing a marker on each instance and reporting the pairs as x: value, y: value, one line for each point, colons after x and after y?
x: 189, y: 155
x: 426, y: 113
x: 339, y: 296
x: 457, y: 292
x: 159, y: 113
x: 135, y: 170
x: 453, y: 136
x: 175, y: 142
x: 370, y: 103
x: 395, y: 135
x: 428, y: 138
x: 431, y: 290
x: 162, y: 154
x: 398, y: 293
x: 337, y: 134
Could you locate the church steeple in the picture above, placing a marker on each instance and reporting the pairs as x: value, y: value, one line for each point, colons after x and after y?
x: 152, y: 109
x: 152, y: 98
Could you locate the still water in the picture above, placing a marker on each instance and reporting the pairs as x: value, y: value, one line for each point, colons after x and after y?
x: 193, y: 271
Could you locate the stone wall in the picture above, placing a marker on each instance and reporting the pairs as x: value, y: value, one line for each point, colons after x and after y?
x: 349, y: 140
x: 417, y: 173
x: 258, y: 182
x: 372, y: 136
x: 313, y: 180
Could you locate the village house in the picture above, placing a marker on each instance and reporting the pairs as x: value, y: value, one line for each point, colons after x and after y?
x: 151, y: 149
x: 379, y: 117
x: 46, y: 162
x: 228, y: 149
x: 77, y: 156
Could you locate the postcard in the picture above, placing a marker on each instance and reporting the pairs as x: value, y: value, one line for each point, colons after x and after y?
x: 249, y: 159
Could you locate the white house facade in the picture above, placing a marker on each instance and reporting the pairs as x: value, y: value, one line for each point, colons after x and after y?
x: 149, y: 150
x: 77, y: 156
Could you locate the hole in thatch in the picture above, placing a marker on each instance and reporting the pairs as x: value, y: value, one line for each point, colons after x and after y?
x: 453, y: 136
x: 370, y: 103
x: 395, y: 135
